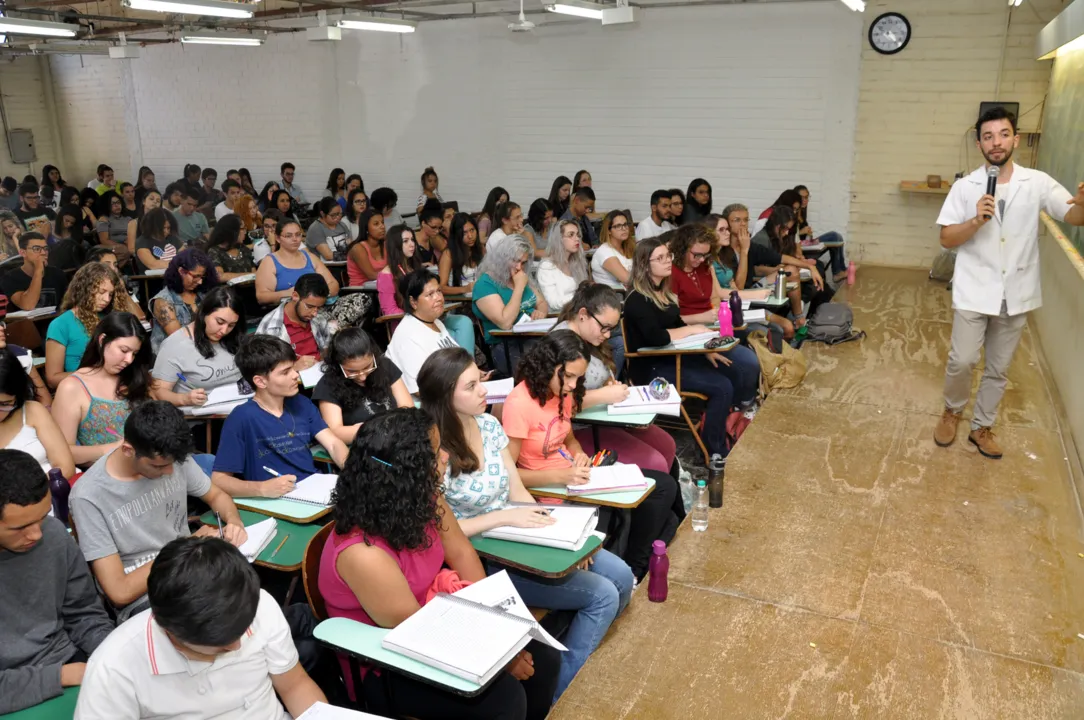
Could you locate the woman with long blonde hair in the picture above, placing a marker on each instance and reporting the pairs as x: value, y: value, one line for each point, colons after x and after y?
x: 612, y: 262
x: 565, y: 266
x: 91, y: 294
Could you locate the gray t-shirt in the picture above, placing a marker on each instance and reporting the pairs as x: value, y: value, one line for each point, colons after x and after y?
x: 337, y: 239
x: 177, y: 355
x: 597, y: 373
x: 133, y: 519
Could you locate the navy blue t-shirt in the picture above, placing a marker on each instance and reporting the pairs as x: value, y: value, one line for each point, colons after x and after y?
x: 253, y: 438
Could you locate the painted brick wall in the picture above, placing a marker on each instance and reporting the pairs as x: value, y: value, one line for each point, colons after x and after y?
x: 916, y: 109
x: 24, y: 103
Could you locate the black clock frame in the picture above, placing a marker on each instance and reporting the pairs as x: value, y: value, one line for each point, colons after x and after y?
x: 879, y: 18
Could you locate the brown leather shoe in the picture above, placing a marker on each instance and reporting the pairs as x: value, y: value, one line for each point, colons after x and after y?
x: 945, y: 432
x: 983, y: 439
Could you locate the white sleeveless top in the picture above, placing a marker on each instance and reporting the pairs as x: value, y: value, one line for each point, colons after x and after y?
x: 27, y: 441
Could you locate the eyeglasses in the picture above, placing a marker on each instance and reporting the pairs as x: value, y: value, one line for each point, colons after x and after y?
x: 619, y: 226
x: 38, y: 249
x: 667, y: 259
x: 603, y: 327
x: 363, y: 373
x: 32, y: 197
x: 699, y: 256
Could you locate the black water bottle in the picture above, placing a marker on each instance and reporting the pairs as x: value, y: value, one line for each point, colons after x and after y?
x: 735, y: 309
x: 59, y: 487
x: 716, y: 471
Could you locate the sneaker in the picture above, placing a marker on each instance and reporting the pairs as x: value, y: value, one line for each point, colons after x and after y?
x: 983, y: 439
x: 945, y: 432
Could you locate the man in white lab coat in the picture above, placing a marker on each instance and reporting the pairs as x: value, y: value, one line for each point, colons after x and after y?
x: 997, y: 271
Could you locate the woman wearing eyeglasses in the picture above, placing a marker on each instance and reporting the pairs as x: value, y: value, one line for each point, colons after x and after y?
x: 612, y: 262
x: 358, y: 383
x: 328, y: 236
x: 565, y: 266
x: 189, y: 275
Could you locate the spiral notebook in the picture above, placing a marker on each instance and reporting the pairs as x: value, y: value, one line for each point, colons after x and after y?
x: 618, y: 477
x: 574, y: 525
x: 315, y: 489
x: 259, y: 537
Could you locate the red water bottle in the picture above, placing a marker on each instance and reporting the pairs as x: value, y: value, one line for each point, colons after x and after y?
x: 657, y: 569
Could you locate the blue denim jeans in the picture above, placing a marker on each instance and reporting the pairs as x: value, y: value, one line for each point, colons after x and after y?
x: 839, y: 263
x: 743, y: 372
x: 598, y: 596
x: 461, y: 328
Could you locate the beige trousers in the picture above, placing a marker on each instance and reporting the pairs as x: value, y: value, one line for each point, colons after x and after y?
x: 998, y: 335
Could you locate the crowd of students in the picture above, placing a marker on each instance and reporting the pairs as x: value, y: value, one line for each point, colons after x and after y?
x: 425, y: 461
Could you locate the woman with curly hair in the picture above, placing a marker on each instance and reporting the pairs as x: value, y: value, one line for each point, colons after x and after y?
x: 503, y: 292
x: 359, y: 383
x: 227, y: 249
x: 199, y: 357
x: 11, y: 227
x: 245, y: 208
x: 565, y: 266
x: 393, y: 534
x: 93, y: 403
x: 190, y: 274
x: 90, y: 295
x: 459, y: 266
x: 484, y: 490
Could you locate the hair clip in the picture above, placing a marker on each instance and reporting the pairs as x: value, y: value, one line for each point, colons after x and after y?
x: 382, y: 462
x: 659, y: 388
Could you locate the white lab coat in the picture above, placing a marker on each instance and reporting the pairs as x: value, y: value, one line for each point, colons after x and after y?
x: 1001, y: 261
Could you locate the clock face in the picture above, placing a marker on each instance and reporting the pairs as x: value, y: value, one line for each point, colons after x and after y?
x: 889, y: 33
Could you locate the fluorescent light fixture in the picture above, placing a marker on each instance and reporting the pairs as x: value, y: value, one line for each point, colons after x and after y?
x: 190, y: 37
x: 1063, y: 34
x: 1016, y: 3
x: 213, y: 8
x: 380, y: 24
x: 15, y: 26
x: 856, y: 5
x: 68, y: 48
x: 579, y: 9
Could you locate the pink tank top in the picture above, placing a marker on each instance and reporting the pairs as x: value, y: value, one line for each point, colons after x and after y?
x: 354, y: 273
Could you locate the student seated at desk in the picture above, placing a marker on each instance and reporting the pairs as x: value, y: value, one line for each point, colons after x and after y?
x: 51, y: 618
x: 328, y: 236
x: 393, y: 534
x: 480, y: 481
x: 91, y: 294
x: 653, y: 320
x: 92, y: 404
x: 779, y: 235
x: 35, y: 283
x: 565, y: 266
x: 133, y: 501
x: 264, y: 448
x: 611, y: 264
x: 200, y: 356
x: 359, y: 383
x: 26, y: 424
x: 280, y: 271
x: 401, y: 247
x: 459, y: 263
x: 209, y: 627
x: 504, y: 292
x: 108, y: 257
x: 227, y: 249
x: 157, y: 243
x: 190, y: 274
x: 300, y: 321
x: 41, y: 392
x: 537, y: 418
x: 366, y: 256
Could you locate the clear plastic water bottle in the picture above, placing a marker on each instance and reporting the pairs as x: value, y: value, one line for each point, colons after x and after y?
x: 700, y: 509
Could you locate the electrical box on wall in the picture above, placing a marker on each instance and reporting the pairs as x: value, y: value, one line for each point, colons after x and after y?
x: 21, y: 145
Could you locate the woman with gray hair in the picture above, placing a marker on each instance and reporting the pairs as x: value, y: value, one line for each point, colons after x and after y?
x: 565, y: 266
x: 504, y: 291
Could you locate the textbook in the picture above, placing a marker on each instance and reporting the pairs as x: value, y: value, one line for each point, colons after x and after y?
x: 31, y: 314
x: 618, y: 477
x: 242, y: 279
x: 574, y: 525
x: 315, y: 489
x: 497, y: 390
x: 526, y: 324
x: 473, y: 639
x: 640, y: 401
x: 259, y: 537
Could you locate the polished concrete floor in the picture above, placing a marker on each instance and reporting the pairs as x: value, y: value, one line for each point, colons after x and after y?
x: 856, y: 570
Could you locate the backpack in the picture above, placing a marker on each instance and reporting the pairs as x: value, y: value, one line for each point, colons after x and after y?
x: 831, y: 324
x: 785, y: 369
x: 944, y: 266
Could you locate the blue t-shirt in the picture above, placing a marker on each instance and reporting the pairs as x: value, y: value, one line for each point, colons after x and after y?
x: 253, y: 438
x: 485, y: 286
x: 67, y: 330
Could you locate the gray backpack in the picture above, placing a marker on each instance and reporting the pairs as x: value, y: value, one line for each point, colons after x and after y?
x: 832, y: 324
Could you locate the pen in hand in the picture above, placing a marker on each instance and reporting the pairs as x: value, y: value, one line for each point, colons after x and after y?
x: 271, y: 472
x: 218, y: 519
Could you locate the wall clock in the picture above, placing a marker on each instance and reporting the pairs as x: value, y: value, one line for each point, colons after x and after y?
x: 889, y: 33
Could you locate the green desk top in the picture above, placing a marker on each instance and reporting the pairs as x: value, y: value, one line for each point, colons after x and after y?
x: 363, y: 641
x: 598, y: 415
x: 627, y: 499
x: 535, y: 559
x: 319, y: 454
x: 61, y: 707
x: 292, y: 554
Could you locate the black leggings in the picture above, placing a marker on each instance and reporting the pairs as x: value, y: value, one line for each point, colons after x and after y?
x: 656, y: 518
x: 506, y: 698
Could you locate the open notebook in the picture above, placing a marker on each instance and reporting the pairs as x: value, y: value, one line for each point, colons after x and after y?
x: 574, y: 525
x: 618, y: 477
x: 259, y: 537
x: 311, y: 375
x: 242, y: 279
x: 315, y: 489
x: 526, y: 324
x: 641, y: 401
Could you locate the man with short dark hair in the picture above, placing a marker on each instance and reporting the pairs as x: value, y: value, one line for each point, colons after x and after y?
x: 35, y: 283
x: 34, y: 215
x: 233, y: 191
x: 9, y: 194
x: 104, y: 173
x: 171, y: 198
x: 211, y: 194
x: 287, y: 171
x: 659, y: 221
x: 298, y: 320
x: 580, y: 206
x: 264, y: 447
x: 212, y: 645
x: 133, y: 501
x: 996, y: 282
x: 192, y: 227
x: 51, y: 618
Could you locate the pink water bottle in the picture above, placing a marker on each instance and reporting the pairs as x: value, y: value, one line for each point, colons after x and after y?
x: 850, y: 273
x: 657, y: 569
x: 726, y: 320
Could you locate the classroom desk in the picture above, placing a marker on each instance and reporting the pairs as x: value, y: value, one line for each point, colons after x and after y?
x: 292, y: 554
x: 337, y: 268
x: 535, y: 559
x: 362, y: 642
x: 627, y: 500
x: 598, y: 416
x: 671, y: 350
x: 369, y: 286
x: 62, y: 707
x: 505, y: 335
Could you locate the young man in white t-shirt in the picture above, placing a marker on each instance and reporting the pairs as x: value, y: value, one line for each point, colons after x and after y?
x: 212, y: 644
x: 659, y: 222
x: 233, y: 191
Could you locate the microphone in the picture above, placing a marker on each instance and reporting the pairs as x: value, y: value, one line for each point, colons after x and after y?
x: 992, y: 174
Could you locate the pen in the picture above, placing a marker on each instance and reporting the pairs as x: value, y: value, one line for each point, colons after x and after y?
x: 566, y: 456
x: 218, y: 519
x: 182, y: 378
x: 112, y: 432
x: 276, y: 552
x: 270, y: 472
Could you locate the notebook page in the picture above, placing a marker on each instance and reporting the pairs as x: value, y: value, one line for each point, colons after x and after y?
x: 311, y: 375
x: 618, y: 475
x: 323, y: 711
x: 497, y: 591
x: 316, y: 489
x: 228, y: 393
x: 259, y: 535
x: 571, y: 521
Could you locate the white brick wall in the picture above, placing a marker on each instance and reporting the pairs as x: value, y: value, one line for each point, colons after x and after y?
x: 915, y: 109
x: 21, y: 83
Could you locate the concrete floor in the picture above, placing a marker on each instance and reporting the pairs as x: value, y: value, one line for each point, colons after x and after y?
x: 856, y: 570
